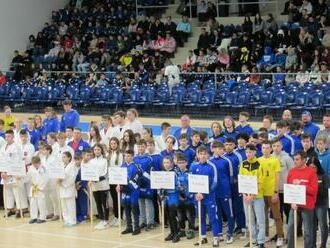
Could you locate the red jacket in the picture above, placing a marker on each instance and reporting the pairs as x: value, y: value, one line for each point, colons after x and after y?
x: 308, y: 178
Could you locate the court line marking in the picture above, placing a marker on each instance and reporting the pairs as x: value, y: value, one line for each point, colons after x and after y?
x: 137, y: 241
x: 117, y: 243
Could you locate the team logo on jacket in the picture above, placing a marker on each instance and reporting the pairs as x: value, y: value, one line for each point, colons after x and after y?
x: 80, y: 148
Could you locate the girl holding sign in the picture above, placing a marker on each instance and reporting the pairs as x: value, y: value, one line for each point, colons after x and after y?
x: 100, y: 189
x: 68, y: 191
x: 115, y: 158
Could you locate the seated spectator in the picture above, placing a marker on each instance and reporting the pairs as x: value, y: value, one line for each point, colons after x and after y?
x: 169, y: 45
x: 325, y: 77
x: 203, y: 40
x: 247, y: 26
x: 183, y: 30
x: 170, y: 26
x: 270, y: 24
x: 306, y: 5
x: 158, y: 43
x: 267, y: 59
x: 292, y: 59
x: 254, y: 77
x: 302, y: 76
x: 103, y: 81
x: 314, y: 75
x: 224, y: 59
x: 132, y: 27
x: 190, y: 61
x: 259, y: 24
x: 280, y: 58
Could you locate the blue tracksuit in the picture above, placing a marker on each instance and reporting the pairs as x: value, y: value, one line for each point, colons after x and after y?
x: 324, y: 159
x: 287, y: 144
x: 241, y: 151
x: 223, y: 192
x: 2, y: 134
x: 130, y: 195
x: 35, y: 137
x: 157, y: 162
x: 189, y: 153
x: 311, y: 128
x: 165, y: 153
x: 220, y: 138
x: 246, y: 129
x: 237, y: 198
x: 183, y: 187
x: 82, y: 199
x: 227, y: 134
x: 50, y: 125
x: 69, y: 119
x: 259, y: 152
x: 297, y: 143
x: 177, y: 133
x: 194, y: 147
x: 209, y: 200
x: 83, y: 145
x: 145, y: 163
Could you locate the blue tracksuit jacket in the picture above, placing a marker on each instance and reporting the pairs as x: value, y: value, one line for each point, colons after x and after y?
x: 69, y: 119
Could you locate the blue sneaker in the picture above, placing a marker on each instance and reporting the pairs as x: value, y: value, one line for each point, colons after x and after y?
x: 33, y: 221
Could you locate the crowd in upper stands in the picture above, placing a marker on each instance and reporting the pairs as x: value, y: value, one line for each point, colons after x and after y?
x: 102, y: 36
x: 259, y: 44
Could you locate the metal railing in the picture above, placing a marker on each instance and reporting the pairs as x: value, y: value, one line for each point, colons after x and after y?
x: 220, y: 6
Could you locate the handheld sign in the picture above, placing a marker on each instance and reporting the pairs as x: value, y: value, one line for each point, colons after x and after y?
x: 295, y: 194
x: 198, y: 184
x: 162, y: 179
x: 16, y: 169
x: 248, y: 184
x: 117, y: 175
x: 56, y: 171
x: 89, y: 173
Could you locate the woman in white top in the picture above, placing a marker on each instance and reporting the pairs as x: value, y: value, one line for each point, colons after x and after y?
x: 67, y: 188
x: 100, y: 189
x: 128, y: 141
x: 94, y: 136
x: 115, y: 158
x: 133, y: 122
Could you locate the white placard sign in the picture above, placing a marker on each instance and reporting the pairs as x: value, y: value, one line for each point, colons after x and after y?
x: 295, y: 194
x: 89, y: 173
x: 56, y: 171
x: 117, y: 175
x: 198, y: 184
x: 162, y: 179
x: 16, y: 169
x: 247, y: 184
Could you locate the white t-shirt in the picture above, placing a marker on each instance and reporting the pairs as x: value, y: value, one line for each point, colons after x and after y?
x: 173, y: 74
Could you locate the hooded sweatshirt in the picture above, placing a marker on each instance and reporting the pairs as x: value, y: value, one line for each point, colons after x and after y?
x: 324, y: 158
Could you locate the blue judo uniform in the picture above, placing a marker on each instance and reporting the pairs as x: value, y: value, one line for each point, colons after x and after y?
x: 82, y: 199
x: 69, y: 119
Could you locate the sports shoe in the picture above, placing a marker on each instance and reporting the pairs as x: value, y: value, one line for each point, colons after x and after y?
x: 99, y: 226
x: 229, y: 240
x: 136, y: 231
x: 127, y: 231
x: 40, y: 221
x: 48, y: 217
x: 149, y: 227
x: 176, y: 238
x: 33, y: 221
x: 279, y: 242
x: 69, y: 225
x: 261, y: 246
x: 202, y: 242
x: 221, y: 238
x: 190, y: 234
x: 114, y: 222
x: 143, y: 225
x: 254, y: 243
x: 55, y: 218
x: 215, y: 242
x: 169, y: 237
x: 182, y: 234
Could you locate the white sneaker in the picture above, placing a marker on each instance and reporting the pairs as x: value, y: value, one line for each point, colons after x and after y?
x: 279, y: 242
x: 114, y: 222
x: 99, y: 225
x: 244, y: 234
x: 103, y: 225
x: 229, y: 240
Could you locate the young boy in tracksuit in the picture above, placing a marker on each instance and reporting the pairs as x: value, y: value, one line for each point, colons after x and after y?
x: 186, y: 208
x: 208, y: 201
x: 238, y: 207
x: 171, y: 200
x: 81, y: 186
x: 252, y: 167
x: 147, y: 218
x: 130, y: 194
x: 223, y: 191
x: 184, y: 148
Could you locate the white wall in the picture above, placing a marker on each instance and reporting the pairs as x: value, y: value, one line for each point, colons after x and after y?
x: 19, y: 19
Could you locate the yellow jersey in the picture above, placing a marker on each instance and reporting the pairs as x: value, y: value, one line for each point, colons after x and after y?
x: 270, y: 167
x: 7, y: 121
